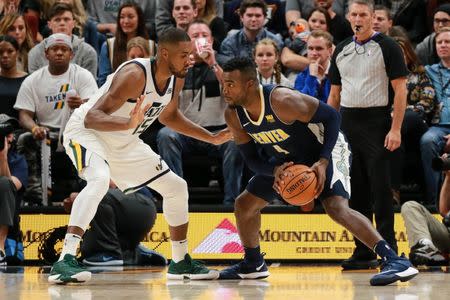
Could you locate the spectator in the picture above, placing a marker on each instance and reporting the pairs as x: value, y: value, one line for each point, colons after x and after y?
x: 13, y: 180
x: 105, y: 14
x: 15, y: 26
x: 120, y: 224
x: 398, y: 31
x: 302, y: 8
x: 383, y: 19
x: 45, y: 102
x: 164, y: 19
x: 428, y: 238
x: 314, y: 80
x: 138, y: 47
x: 267, y: 59
x: 436, y: 140
x: 61, y: 20
x: 184, y: 12
x: 411, y: 15
x: 10, y: 77
x: 319, y: 19
x: 339, y: 27
x: 426, y: 50
x: 293, y: 55
x: 418, y: 114
x: 206, y: 11
x: 201, y: 102
x: 253, y: 14
x: 130, y: 24
x: 364, y: 96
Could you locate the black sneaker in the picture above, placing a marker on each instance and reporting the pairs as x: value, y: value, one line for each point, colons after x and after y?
x: 246, y: 270
x: 423, y: 254
x: 394, y: 269
x: 2, y: 258
x: 360, y: 260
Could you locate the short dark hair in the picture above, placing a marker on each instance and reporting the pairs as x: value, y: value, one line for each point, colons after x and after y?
x: 385, y: 9
x: 11, y: 40
x: 243, y: 64
x: 252, y: 3
x: 198, y: 22
x: 173, y: 35
x: 59, y: 9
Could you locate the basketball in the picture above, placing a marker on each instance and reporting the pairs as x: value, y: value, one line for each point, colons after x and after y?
x: 299, y: 189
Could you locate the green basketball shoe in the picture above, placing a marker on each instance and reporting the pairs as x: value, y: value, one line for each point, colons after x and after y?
x: 190, y: 269
x: 68, y: 270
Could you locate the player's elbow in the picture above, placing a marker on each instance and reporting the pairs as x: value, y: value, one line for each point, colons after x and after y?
x: 89, y: 119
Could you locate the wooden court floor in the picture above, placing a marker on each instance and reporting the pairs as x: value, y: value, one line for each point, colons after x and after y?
x: 287, y: 282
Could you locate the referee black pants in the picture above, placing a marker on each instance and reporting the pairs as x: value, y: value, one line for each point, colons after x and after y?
x: 366, y: 129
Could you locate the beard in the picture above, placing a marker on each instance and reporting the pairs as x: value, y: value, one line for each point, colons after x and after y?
x: 175, y: 72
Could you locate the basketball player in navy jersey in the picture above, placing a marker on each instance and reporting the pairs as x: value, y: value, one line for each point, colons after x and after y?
x: 275, y: 127
x: 102, y: 140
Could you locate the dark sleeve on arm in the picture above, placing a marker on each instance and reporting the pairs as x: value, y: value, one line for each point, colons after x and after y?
x: 331, y: 121
x: 333, y: 73
x: 254, y: 161
x: 393, y: 58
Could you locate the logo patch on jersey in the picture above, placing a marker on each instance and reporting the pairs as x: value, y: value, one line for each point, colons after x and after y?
x: 270, y: 119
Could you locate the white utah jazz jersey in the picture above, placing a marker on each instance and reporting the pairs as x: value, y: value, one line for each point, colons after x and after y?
x: 159, y: 100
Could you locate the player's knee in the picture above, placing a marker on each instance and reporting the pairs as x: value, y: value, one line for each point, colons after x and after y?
x: 244, y: 208
x: 337, y: 209
x: 175, y: 201
x: 98, y: 179
x: 409, y: 206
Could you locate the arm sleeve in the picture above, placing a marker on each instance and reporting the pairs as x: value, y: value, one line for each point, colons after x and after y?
x: 393, y: 59
x: 331, y: 121
x: 254, y: 161
x: 333, y: 73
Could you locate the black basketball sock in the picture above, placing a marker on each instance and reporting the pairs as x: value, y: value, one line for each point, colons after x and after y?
x: 383, y: 249
x: 253, y: 254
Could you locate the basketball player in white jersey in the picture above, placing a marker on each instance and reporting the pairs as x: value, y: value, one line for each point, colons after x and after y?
x: 101, y: 138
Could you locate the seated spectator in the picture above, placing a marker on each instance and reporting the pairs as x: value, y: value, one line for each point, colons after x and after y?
x: 184, y: 12
x: 138, y: 47
x: 293, y: 55
x: 130, y: 24
x: 45, y: 102
x: 13, y: 180
x: 318, y: 19
x: 104, y: 14
x: 267, y: 59
x: 339, y: 26
x: 15, y: 26
x: 435, y: 140
x: 164, y: 18
x: 119, y: 225
x: 382, y: 21
x: 241, y: 44
x: 201, y: 102
x: 398, y: 31
x: 428, y: 238
x: 10, y: 77
x: 418, y: 114
x: 426, y: 50
x: 61, y: 20
x: 411, y: 15
x: 206, y: 11
x: 314, y: 80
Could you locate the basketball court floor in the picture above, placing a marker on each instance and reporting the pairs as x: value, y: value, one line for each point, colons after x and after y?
x: 287, y: 282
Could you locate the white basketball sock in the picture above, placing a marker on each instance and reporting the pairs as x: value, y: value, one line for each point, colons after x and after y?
x: 71, y: 242
x: 179, y: 250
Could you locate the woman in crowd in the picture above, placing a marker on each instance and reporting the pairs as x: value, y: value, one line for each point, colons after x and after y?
x: 268, y: 63
x: 206, y: 11
x: 14, y: 25
x: 130, y: 23
x: 10, y: 77
x: 138, y: 47
x: 319, y: 18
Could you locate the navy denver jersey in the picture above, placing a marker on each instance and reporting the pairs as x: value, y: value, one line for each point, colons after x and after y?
x: 280, y: 142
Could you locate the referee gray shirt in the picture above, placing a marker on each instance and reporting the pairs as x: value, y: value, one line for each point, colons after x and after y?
x: 364, y: 71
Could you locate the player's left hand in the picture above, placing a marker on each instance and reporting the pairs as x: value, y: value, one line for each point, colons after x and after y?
x: 320, y: 168
x: 393, y: 140
x: 220, y: 137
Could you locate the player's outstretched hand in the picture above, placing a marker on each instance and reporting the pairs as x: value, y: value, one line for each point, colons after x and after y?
x: 320, y: 168
x: 280, y: 172
x: 138, y: 113
x: 221, y: 137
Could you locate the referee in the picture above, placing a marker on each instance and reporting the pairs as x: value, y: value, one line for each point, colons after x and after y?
x: 368, y: 75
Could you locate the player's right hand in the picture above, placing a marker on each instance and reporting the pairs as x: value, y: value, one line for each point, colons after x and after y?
x: 137, y: 114
x: 39, y: 132
x: 280, y: 172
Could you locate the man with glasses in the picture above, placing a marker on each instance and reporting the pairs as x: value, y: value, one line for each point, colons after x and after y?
x: 426, y: 50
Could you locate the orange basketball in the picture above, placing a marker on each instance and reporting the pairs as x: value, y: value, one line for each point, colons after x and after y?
x: 299, y: 189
